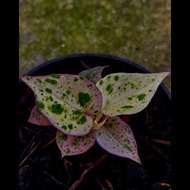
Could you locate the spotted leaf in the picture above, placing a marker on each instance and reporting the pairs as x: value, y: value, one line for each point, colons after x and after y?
x: 74, y: 145
x: 93, y: 74
x: 117, y: 138
x: 37, y: 118
x: 68, y: 101
x: 128, y: 93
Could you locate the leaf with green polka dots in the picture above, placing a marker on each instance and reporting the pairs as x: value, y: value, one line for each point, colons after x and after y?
x: 74, y: 145
x: 68, y: 101
x: 128, y: 93
x: 116, y: 137
x: 93, y: 74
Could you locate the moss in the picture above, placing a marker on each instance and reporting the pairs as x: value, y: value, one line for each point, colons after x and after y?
x: 136, y: 30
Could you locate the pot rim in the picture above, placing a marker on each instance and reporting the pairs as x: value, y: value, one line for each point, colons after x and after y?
x: 76, y: 55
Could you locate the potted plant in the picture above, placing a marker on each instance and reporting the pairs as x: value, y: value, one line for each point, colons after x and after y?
x: 94, y: 121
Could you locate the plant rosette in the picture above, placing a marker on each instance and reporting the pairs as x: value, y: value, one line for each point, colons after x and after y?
x: 85, y: 108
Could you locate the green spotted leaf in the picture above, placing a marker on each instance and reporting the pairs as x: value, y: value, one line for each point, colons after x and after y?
x: 128, y: 93
x: 117, y: 138
x: 93, y: 74
x: 68, y: 101
x: 79, y: 104
x: 74, y: 145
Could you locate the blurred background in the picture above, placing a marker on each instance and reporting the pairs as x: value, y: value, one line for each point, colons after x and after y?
x: 138, y: 30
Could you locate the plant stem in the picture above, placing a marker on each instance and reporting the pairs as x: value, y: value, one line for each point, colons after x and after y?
x: 100, y: 184
x: 86, y: 171
x: 164, y: 142
x: 29, y: 144
x: 109, y: 184
x: 50, y: 142
x: 30, y: 153
x: 164, y: 156
x: 85, y: 65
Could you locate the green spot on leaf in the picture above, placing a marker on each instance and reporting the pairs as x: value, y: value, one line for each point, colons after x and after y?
x: 82, y: 120
x: 76, y: 79
x: 55, y: 76
x: 116, y: 78
x: 64, y: 95
x: 141, y: 97
x: 68, y: 151
x: 64, y: 137
x: 127, y: 147
x: 64, y: 127
x: 38, y: 80
x: 70, y: 126
x: 127, y: 107
x: 77, y: 112
x: 40, y: 105
x: 56, y: 108
x: 101, y: 82
x: 84, y: 98
x: 109, y: 88
x: 68, y: 92
x: 48, y: 90
x: 51, y: 81
x: 110, y: 125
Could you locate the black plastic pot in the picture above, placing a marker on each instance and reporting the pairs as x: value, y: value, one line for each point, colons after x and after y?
x: 44, y: 169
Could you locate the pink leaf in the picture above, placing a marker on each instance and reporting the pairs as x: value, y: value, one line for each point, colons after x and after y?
x: 68, y: 101
x: 36, y: 117
x: 74, y: 145
x: 116, y: 137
